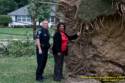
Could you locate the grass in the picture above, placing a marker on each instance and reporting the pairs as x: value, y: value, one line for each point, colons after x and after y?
x: 22, y: 70
x: 18, y: 33
x: 15, y: 33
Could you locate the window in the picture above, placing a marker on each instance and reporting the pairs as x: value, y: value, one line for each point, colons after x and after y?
x: 18, y: 18
x: 23, y: 19
x: 28, y: 19
x: 52, y: 19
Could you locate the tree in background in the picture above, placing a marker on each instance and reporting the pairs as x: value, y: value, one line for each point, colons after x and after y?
x: 44, y: 12
x: 7, y: 6
x: 21, y: 3
x: 39, y: 11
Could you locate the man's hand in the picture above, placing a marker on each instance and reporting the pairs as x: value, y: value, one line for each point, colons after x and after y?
x: 40, y: 51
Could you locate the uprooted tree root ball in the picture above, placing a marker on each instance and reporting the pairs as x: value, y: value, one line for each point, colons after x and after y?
x: 100, y: 49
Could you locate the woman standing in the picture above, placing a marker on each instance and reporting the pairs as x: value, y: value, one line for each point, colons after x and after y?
x: 60, y: 49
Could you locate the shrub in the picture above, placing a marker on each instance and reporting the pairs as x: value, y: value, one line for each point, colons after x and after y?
x: 5, y: 20
x: 20, y: 48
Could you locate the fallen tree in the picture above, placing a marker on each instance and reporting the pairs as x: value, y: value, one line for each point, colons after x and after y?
x: 100, y: 49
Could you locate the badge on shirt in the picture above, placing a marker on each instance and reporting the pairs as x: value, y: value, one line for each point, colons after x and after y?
x: 39, y: 32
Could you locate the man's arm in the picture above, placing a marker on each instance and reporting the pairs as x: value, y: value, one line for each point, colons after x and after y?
x: 38, y: 45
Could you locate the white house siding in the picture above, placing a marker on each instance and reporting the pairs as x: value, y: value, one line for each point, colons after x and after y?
x: 16, y: 22
x: 26, y: 23
x: 13, y: 18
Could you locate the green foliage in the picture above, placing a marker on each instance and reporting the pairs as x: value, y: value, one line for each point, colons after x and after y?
x: 7, y: 6
x: 44, y: 12
x: 39, y: 10
x: 4, y: 20
x: 20, y: 48
x: 90, y: 9
x: 21, y: 3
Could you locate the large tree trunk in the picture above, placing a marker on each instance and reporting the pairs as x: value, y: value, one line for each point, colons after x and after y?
x: 100, y: 51
x: 34, y: 26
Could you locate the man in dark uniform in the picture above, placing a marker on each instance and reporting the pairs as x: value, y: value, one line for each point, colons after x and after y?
x: 42, y: 46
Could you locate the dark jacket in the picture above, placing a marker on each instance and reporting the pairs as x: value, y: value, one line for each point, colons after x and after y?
x: 57, y: 42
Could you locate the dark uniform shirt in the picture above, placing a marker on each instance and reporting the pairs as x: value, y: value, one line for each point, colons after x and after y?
x: 44, y: 36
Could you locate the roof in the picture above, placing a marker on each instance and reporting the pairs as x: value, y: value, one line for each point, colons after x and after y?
x: 24, y: 11
x: 20, y: 11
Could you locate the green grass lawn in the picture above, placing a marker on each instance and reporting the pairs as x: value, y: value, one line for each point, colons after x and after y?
x: 22, y: 70
x: 15, y: 33
x: 18, y: 33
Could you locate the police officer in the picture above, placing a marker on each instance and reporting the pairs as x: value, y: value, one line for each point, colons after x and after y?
x: 42, y: 46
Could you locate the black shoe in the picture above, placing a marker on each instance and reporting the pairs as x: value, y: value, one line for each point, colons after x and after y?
x: 44, y: 77
x: 40, y: 79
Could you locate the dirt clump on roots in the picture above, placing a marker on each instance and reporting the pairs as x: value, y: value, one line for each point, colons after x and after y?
x: 100, y: 50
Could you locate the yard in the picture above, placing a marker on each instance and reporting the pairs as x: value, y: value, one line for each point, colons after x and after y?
x: 15, y: 33
x: 18, y: 33
x: 21, y: 69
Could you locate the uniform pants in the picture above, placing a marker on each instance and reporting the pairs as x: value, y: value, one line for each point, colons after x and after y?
x: 41, y: 63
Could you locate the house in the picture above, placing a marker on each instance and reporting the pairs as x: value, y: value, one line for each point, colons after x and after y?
x: 21, y: 17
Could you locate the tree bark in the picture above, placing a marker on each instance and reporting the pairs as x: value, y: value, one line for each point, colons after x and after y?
x: 34, y: 26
